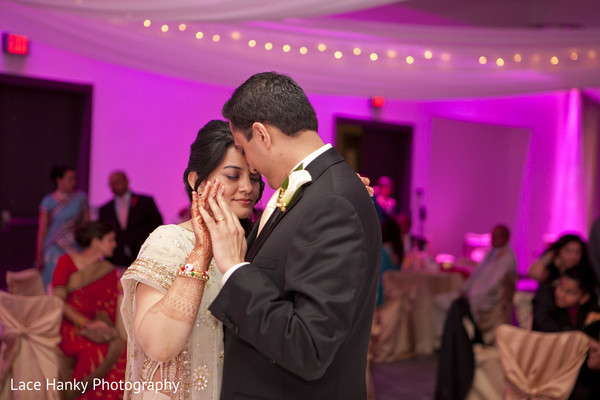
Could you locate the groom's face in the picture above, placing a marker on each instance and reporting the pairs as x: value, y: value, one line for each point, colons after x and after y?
x: 249, y: 151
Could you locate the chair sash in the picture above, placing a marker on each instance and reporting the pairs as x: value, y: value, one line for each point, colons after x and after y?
x: 540, y: 365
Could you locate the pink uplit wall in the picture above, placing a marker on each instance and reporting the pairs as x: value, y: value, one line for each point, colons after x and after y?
x: 476, y: 175
x: 144, y: 123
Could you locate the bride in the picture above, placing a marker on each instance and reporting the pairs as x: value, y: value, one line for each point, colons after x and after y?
x: 175, y: 345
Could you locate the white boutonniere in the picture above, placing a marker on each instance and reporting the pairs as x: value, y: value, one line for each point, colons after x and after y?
x: 290, y: 186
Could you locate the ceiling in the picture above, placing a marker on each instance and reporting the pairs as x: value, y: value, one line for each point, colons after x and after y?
x: 412, y: 49
x: 566, y: 14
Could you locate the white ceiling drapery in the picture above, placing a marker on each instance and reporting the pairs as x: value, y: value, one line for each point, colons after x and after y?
x: 206, y: 10
x: 452, y: 71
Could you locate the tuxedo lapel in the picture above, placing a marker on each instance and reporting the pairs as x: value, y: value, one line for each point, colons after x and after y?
x: 252, y: 235
x: 315, y: 168
x: 255, y: 243
x: 264, y: 233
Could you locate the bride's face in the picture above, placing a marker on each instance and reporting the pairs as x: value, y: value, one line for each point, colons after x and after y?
x: 241, y: 187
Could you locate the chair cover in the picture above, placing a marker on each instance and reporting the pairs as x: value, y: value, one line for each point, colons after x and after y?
x: 394, y: 339
x: 540, y: 365
x: 27, y: 282
x: 30, y: 337
x: 489, y: 382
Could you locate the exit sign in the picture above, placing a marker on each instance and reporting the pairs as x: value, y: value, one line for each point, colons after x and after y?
x: 15, y: 44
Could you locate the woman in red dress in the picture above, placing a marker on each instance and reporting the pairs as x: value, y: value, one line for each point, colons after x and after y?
x: 90, y: 288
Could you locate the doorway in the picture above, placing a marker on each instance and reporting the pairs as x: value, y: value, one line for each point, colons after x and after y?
x: 375, y: 149
x: 42, y: 123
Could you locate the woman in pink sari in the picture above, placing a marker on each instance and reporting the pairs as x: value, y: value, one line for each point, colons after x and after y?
x: 90, y: 287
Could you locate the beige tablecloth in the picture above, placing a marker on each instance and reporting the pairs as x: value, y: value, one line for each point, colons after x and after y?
x: 405, y: 325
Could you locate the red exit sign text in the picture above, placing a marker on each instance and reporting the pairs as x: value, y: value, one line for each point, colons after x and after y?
x: 15, y: 44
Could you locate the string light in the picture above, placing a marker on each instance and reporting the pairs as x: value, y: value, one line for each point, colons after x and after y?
x: 147, y: 23
x: 535, y: 58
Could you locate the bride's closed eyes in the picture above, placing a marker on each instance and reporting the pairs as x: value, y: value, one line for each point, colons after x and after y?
x: 241, y: 188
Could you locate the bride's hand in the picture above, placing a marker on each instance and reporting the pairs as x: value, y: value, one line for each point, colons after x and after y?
x: 366, y: 181
x: 203, y: 247
x: 228, y: 236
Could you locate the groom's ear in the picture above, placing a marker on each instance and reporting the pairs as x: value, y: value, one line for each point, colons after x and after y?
x: 262, y: 134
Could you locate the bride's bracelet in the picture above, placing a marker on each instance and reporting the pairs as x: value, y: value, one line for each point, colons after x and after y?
x: 189, y: 271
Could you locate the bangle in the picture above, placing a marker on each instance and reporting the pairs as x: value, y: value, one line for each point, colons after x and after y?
x: 189, y: 271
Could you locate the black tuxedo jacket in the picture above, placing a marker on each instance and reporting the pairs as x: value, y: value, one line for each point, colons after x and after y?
x: 143, y: 218
x: 298, y: 317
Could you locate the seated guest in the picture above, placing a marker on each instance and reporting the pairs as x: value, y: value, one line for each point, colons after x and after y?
x: 570, y: 304
x: 391, y: 252
x: 90, y: 288
x: 133, y: 217
x: 489, y: 288
x: 405, y: 223
x: 567, y: 252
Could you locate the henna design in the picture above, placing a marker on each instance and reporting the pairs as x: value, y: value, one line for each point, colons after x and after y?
x: 203, y: 247
x: 182, y: 301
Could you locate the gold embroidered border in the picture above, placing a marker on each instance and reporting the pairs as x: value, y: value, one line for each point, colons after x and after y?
x: 160, y: 274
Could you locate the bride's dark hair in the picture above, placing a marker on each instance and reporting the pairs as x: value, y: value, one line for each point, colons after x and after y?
x: 207, y: 152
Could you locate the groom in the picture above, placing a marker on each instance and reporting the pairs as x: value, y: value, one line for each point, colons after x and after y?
x: 298, y: 306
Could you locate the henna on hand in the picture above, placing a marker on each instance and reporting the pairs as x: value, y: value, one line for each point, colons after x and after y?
x: 203, y: 249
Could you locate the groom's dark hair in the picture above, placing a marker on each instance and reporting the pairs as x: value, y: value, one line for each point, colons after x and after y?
x: 273, y: 99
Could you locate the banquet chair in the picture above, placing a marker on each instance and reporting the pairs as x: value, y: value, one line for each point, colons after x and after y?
x: 30, y: 337
x: 540, y: 365
x: 523, y: 305
x: 393, y: 339
x: 489, y: 382
x: 27, y: 282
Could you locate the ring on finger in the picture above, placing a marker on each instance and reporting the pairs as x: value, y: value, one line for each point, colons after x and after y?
x: 220, y: 219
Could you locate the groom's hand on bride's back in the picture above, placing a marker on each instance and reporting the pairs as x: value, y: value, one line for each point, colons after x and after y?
x: 227, y: 235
